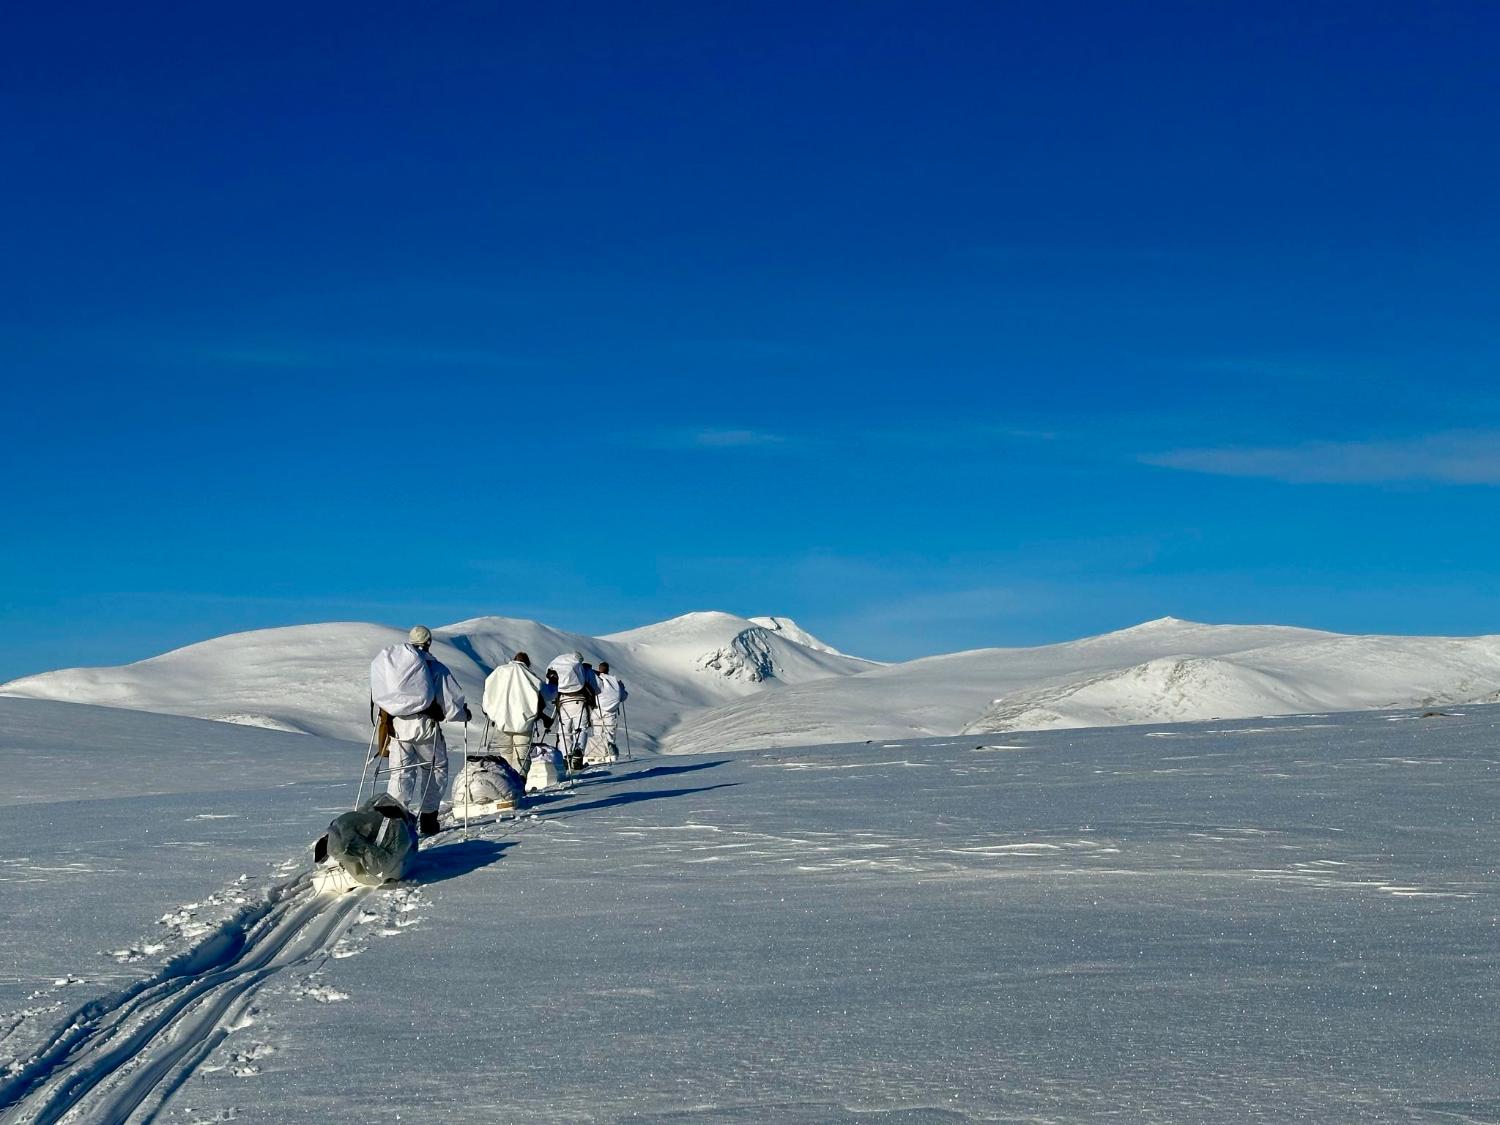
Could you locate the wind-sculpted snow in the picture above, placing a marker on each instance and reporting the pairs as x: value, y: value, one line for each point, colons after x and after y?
x: 1265, y: 921
x: 314, y: 678
x: 747, y: 657
x: 755, y: 655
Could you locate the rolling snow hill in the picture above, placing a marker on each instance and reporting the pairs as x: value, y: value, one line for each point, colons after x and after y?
x: 1159, y: 672
x: 709, y: 682
x: 314, y: 679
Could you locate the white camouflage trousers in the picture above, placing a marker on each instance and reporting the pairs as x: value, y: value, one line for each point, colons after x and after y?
x: 418, y: 764
x: 515, y: 748
x: 601, y: 745
x: 571, y: 723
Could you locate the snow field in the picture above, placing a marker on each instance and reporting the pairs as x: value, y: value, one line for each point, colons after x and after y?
x: 1290, y: 919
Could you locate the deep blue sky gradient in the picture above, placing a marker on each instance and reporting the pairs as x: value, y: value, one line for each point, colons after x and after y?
x: 932, y: 325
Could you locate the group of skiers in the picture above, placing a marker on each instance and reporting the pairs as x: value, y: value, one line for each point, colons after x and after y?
x: 586, y: 706
x: 412, y: 693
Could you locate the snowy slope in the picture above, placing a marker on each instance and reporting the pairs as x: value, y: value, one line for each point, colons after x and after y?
x: 1162, y: 671
x: 707, y: 682
x: 300, y: 678
x: 732, y: 648
x: 794, y: 632
x: 1211, y: 925
x: 314, y: 678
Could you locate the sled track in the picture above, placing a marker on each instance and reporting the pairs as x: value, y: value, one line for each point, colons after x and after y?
x: 113, y: 1055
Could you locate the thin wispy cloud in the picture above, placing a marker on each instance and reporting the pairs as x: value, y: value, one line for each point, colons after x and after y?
x: 257, y: 357
x: 325, y: 355
x: 735, y: 439
x: 711, y: 438
x: 949, y: 436
x: 1066, y: 254
x: 1455, y: 457
x: 909, y: 440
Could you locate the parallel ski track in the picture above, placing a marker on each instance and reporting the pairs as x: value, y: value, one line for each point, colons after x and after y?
x: 113, y: 1055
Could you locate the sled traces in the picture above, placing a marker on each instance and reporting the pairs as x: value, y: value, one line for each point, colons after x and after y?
x: 116, y: 1054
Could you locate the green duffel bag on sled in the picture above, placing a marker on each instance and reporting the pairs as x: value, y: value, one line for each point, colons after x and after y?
x: 374, y: 844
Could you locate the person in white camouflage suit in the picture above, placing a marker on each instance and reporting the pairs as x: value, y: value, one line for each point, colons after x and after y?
x: 608, y: 705
x: 514, y: 702
x: 575, y: 701
x: 413, y: 693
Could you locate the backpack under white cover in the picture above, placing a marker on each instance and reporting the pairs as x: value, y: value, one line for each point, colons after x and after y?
x: 401, y: 683
x: 570, y: 673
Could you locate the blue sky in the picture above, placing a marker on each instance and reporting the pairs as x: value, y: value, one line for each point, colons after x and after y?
x: 934, y: 326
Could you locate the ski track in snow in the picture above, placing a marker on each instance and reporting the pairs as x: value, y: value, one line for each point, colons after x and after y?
x: 115, y: 1055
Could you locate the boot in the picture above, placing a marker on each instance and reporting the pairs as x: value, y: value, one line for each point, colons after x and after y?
x: 427, y: 824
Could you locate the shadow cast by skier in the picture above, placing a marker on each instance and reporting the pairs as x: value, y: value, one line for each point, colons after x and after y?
x: 669, y: 771
x: 638, y: 796
x: 449, y: 861
x: 596, y: 776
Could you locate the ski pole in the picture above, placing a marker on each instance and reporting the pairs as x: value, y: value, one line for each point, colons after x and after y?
x: 625, y: 722
x: 369, y: 757
x: 465, y: 776
x: 431, y: 767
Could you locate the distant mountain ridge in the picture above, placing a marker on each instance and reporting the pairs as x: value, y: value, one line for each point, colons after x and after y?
x: 710, y: 682
x: 1162, y: 671
x: 314, y: 678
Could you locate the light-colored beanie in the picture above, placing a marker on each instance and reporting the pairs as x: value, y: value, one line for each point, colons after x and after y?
x: 420, y: 635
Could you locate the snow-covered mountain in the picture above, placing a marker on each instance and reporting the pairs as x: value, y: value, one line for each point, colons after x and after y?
x: 1163, y: 671
x: 315, y: 678
x: 708, y: 682
x: 794, y: 632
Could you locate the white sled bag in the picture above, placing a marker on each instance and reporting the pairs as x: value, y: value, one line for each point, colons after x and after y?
x: 480, y: 783
x: 546, y: 769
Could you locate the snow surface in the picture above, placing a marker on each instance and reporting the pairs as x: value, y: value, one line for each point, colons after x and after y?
x: 1284, y: 920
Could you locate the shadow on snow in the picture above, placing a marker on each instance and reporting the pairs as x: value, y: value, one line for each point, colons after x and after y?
x: 668, y: 771
x: 565, y: 792
x: 449, y: 861
x: 620, y: 799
